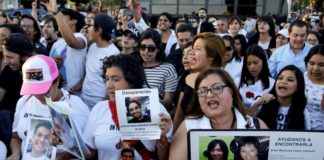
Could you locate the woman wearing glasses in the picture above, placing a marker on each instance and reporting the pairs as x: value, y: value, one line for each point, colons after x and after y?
x: 216, y: 104
x: 159, y: 74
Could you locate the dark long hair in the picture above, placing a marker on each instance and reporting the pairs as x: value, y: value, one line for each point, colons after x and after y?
x: 295, y: 119
x: 37, y: 36
x: 264, y: 75
x: 212, y: 144
x: 194, y: 108
x: 243, y: 42
x: 318, y: 49
x: 151, y: 33
x: 271, y: 24
x: 235, y: 54
x: 132, y: 69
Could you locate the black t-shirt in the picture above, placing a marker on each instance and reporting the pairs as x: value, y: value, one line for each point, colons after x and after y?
x: 145, y: 119
x: 11, y: 82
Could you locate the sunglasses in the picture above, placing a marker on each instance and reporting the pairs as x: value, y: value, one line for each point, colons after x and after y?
x: 228, y: 48
x: 149, y: 48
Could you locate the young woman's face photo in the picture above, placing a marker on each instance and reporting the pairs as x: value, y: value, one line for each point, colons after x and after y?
x: 249, y: 152
x: 40, y: 140
x: 286, y: 84
x: 217, y: 153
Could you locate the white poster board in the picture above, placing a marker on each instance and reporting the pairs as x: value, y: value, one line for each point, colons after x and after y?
x: 277, y: 145
x: 38, y: 140
x: 138, y: 114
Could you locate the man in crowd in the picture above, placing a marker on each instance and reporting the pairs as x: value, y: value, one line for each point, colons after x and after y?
x: 30, y: 26
x: 135, y: 110
x: 17, y: 47
x: 222, y: 26
x: 50, y: 32
x: 292, y: 53
x: 202, y: 15
x: 184, y: 36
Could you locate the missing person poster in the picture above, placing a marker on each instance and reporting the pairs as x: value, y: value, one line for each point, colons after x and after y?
x: 138, y: 114
x: 65, y: 129
x: 37, y: 144
x: 255, y: 145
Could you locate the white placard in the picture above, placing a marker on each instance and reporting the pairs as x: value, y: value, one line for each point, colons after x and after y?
x: 38, y: 140
x: 138, y: 114
x: 272, y: 145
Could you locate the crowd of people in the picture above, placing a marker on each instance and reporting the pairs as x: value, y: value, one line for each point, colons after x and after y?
x: 218, y: 73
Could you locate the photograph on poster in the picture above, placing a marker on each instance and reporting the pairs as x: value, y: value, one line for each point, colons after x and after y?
x: 138, y: 113
x: 250, y: 147
x: 255, y: 144
x: 38, y: 141
x: 138, y: 109
x: 64, y: 130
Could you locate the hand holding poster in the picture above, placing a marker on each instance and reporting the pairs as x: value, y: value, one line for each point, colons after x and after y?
x: 256, y: 145
x: 38, y: 141
x: 138, y: 114
x: 65, y: 129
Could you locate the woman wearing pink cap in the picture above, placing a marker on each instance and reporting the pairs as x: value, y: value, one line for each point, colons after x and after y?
x: 41, y: 79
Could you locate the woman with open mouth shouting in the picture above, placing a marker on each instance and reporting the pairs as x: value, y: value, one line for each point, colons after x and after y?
x: 216, y: 104
x: 287, y: 109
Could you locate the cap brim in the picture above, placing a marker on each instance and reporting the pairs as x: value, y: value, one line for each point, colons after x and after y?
x: 39, y: 88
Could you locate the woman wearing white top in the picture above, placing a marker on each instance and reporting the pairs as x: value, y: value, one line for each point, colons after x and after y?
x: 235, y: 26
x: 314, y: 81
x: 216, y: 105
x: 233, y: 62
x: 41, y: 79
x: 255, y: 80
x: 286, y: 109
x: 102, y: 134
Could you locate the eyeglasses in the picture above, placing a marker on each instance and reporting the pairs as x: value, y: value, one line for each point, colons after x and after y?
x: 27, y: 26
x: 229, y: 48
x: 216, y: 88
x: 262, y: 23
x: 149, y: 48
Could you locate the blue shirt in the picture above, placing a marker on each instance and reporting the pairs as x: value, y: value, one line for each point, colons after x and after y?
x: 284, y: 56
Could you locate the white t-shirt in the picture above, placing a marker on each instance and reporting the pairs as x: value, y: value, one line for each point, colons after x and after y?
x: 264, y: 46
x: 204, y: 122
x: 281, y: 117
x: 102, y: 134
x: 234, y: 68
x: 249, y: 24
x: 3, y: 151
x: 73, y: 68
x: 314, y: 94
x: 93, y: 89
x: 256, y: 89
x: 28, y: 157
x: 30, y: 107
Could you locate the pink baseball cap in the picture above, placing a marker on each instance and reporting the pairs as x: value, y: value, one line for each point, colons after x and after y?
x: 39, y: 72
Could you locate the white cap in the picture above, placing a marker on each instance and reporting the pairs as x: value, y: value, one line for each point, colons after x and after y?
x: 284, y: 32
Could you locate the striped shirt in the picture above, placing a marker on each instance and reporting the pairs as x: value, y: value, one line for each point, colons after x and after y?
x: 163, y: 76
